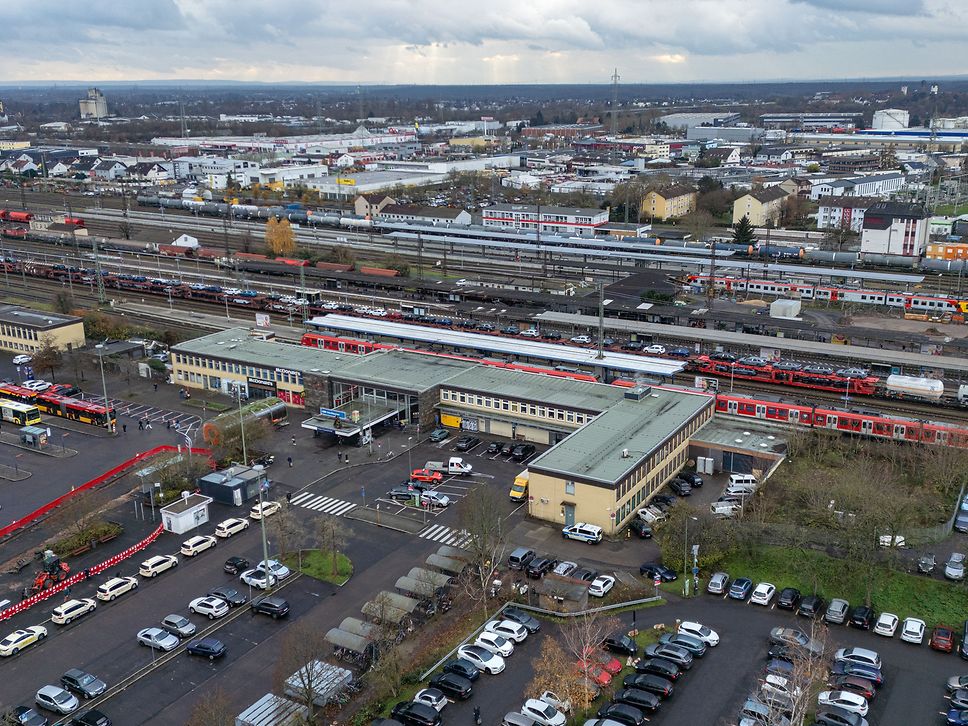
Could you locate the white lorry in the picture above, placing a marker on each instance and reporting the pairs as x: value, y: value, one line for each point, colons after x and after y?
x: 454, y: 465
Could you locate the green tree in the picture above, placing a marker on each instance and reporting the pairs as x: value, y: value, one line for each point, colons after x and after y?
x: 47, y: 356
x: 744, y: 233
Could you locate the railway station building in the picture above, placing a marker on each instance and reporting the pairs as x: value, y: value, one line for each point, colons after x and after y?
x: 611, y: 447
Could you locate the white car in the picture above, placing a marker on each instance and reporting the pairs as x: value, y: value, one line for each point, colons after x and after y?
x: 72, y: 610
x: 36, y: 385
x: 116, y: 587
x: 276, y: 568
x: 154, y: 566
x: 655, y: 349
x: 779, y: 685
x: 233, y: 525
x: 434, y: 499
x: 912, y: 631
x: 860, y: 656
x: 507, y: 629
x: 257, y: 578
x: 699, y: 631
x: 19, y: 360
x: 543, y: 713
x: 601, y: 585
x: 847, y: 700
x: 763, y: 594
x: 55, y: 698
x: 213, y: 607
x: 196, y: 545
x: 432, y: 697
x: 897, y: 540
x: 581, y: 339
x: 530, y: 333
x: 265, y: 509
x: 886, y: 624
x: 495, y: 643
x: 483, y: 659
x: 20, y: 639
x: 565, y: 568
x: 158, y: 638
x: 562, y: 704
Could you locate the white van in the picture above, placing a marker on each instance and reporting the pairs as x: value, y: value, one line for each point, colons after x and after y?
x: 743, y: 479
x: 740, y: 490
x: 652, y: 515
x: 724, y: 509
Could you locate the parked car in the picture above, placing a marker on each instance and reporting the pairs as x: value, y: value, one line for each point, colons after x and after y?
x: 493, y: 448
x: 662, y: 687
x: 439, y: 435
x: 196, y: 545
x: 654, y: 349
x: 581, y: 340
x: 643, y: 700
x: 763, y: 594
x: 788, y: 599
x: 72, y: 610
x: 699, y: 631
x: 845, y: 668
x: 83, y: 683
x: 154, y: 566
x: 507, y: 629
x: 564, y: 569
x: 659, y: 667
x: 886, y: 624
x: 694, y: 480
x: 837, y: 611
x: 228, y: 527
x: 56, y: 699
x: 654, y: 569
x: 433, y: 697
x: 862, y: 617
x: 640, y: 528
x: 694, y: 646
x: 543, y: 713
x: 811, y: 606
x: 24, y: 716
x: 741, y: 588
x: 954, y: 568
x: 623, y: 713
x: 434, y: 498
x: 212, y: 607
x: 589, y: 533
x: 795, y: 638
x: 232, y: 596
x: 115, y: 587
x: 718, y: 583
x: 620, y: 643
x: 410, y: 713
x: 942, y: 639
x: 860, y: 686
x: 861, y: 656
x: 521, y: 617
x: 482, y: 658
x: 681, y: 487
x: 264, y: 509
x: 157, y: 638
x: 466, y: 443
x: 463, y: 668
x: 847, y: 700
x: 235, y: 565
x: 912, y: 630
x: 258, y: 579
x: 678, y: 655
x: 522, y: 452
x: 178, y: 625
x: 453, y: 685
x: 210, y: 648
x: 601, y: 585
x: 273, y: 606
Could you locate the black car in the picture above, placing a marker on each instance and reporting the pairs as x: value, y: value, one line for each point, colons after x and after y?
x: 232, y: 596
x: 452, y: 685
x: 539, y: 566
x: 836, y: 716
x: 681, y: 487
x: 272, y: 605
x: 584, y: 574
x: 695, y: 481
x: 493, y: 448
x: 519, y: 616
x: 623, y: 713
x: 402, y: 493
x: 620, y: 643
x: 25, y: 716
x: 659, y: 667
x: 662, y: 687
x: 466, y: 443
x: 633, y: 345
x: 511, y: 330
x: 780, y: 651
x: 664, y: 499
x: 463, y: 668
x: 653, y: 569
x: 811, y: 606
x: 862, y: 617
x: 83, y: 683
x: 91, y: 718
x: 551, y: 335
x: 640, y: 699
x: 640, y: 529
x: 608, y: 342
x: 210, y: 648
x: 789, y: 598
x: 415, y: 714
x: 236, y: 565
x: 486, y: 327
x: 846, y: 668
x: 522, y: 452
x: 507, y: 448
x: 728, y: 357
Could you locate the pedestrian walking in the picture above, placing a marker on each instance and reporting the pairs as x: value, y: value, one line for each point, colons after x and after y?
x: 124, y: 428
x: 339, y: 455
x: 168, y: 425
x: 293, y: 440
x: 148, y: 424
x: 156, y: 388
x: 347, y: 456
x: 141, y: 424
x: 289, y: 459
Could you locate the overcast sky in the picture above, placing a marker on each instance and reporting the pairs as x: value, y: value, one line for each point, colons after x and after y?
x: 481, y: 41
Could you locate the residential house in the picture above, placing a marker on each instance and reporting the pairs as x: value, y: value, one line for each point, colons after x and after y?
x: 669, y: 203
x: 762, y: 206
x: 370, y: 205
x: 726, y: 155
x: 433, y: 215
x: 81, y: 168
x: 109, y: 170
x: 872, y: 185
x: 783, y: 155
x: 843, y: 212
x: 150, y: 171
x: 57, y: 167
x: 897, y: 229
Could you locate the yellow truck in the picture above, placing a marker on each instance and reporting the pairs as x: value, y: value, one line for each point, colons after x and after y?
x: 519, y: 490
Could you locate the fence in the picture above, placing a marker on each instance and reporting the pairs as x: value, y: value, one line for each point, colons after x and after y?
x: 110, y: 474
x: 80, y: 576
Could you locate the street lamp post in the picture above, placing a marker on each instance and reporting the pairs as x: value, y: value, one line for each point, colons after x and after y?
x: 685, y: 556
x: 104, y: 388
x: 262, y: 524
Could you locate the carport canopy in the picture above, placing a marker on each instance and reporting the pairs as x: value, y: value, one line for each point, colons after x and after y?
x: 350, y: 641
x: 454, y: 553
x: 446, y: 564
x: 401, y: 602
x: 438, y: 579
x: 360, y: 628
x: 384, y: 611
x: 417, y: 587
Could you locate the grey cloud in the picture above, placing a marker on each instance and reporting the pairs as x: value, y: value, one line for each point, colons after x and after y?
x: 870, y: 7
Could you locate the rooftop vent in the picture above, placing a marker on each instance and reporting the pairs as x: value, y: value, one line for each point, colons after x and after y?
x: 637, y: 393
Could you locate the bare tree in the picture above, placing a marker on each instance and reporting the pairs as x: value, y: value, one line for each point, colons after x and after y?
x: 582, y: 635
x: 554, y: 671
x: 794, y: 695
x: 302, y: 644
x: 482, y: 518
x: 286, y: 530
x: 331, y: 536
x: 213, y: 709
x: 47, y: 356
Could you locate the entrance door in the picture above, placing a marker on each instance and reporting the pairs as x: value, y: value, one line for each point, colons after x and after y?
x: 569, y: 514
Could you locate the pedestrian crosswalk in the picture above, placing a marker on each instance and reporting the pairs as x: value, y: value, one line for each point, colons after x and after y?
x: 323, y: 505
x: 445, y: 535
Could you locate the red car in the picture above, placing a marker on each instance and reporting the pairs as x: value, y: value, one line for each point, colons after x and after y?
x: 942, y: 638
x: 594, y: 671
x: 607, y: 661
x: 427, y: 476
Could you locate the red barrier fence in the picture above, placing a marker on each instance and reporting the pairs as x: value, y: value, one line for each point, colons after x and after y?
x: 119, y: 469
x: 80, y: 576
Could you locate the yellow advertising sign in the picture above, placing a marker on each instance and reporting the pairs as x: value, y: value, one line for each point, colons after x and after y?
x: 346, y: 182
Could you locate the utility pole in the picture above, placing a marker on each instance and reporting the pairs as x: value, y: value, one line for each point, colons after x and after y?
x: 419, y: 256
x: 101, y: 297
x: 70, y: 213
x: 711, y: 284
x: 601, y: 320
x: 23, y: 195
x: 615, y: 79
x: 181, y: 114
x: 225, y: 237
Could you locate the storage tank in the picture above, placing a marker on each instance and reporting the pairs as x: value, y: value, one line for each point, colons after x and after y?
x: 954, y: 266
x: 890, y: 261
x: 224, y: 425
x: 355, y: 222
x: 929, y: 389
x: 838, y: 258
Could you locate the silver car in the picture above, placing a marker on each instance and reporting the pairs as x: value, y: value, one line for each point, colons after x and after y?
x: 837, y: 611
x: 954, y: 568
x: 718, y: 583
x: 178, y: 625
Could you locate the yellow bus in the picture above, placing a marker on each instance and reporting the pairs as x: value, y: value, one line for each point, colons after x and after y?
x: 22, y: 414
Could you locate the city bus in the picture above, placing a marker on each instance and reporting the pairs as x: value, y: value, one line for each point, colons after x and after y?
x: 22, y: 414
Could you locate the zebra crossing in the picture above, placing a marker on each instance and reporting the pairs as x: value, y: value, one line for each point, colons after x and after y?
x: 445, y: 535
x: 322, y: 504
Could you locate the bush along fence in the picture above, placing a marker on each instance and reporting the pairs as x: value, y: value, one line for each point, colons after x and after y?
x: 106, y: 476
x: 80, y: 576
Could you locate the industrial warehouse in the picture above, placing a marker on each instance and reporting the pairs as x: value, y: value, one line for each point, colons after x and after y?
x: 612, y: 447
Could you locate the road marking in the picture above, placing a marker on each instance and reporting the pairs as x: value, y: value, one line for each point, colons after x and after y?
x: 445, y: 535
x: 323, y: 504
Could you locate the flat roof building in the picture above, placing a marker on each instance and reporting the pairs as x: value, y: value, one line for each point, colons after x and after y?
x: 23, y: 330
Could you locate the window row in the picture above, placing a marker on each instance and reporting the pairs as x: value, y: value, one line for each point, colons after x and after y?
x: 527, y: 409
x: 240, y: 369
x: 16, y: 331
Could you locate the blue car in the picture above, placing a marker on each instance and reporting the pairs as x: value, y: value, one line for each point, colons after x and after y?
x: 680, y: 352
x: 957, y: 718
x: 741, y: 588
